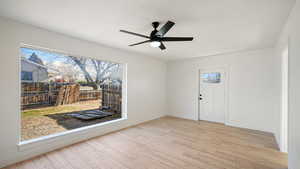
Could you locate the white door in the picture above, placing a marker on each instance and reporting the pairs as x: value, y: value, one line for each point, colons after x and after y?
x: 212, y: 95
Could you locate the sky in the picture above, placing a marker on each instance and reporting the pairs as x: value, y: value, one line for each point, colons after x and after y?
x: 47, y: 57
x: 59, y: 62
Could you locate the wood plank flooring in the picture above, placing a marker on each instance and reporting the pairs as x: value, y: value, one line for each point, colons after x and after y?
x: 168, y: 143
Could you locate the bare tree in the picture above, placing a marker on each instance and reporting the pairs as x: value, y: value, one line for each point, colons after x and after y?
x: 65, y: 71
x: 103, y: 70
x: 81, y: 63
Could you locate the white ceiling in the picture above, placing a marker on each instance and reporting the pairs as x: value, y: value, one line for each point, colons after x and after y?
x: 218, y: 26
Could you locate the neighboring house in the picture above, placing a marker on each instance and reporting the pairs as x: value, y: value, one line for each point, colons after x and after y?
x: 33, y: 69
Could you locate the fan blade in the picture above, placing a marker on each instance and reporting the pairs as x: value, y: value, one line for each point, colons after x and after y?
x: 163, y: 30
x: 136, y: 34
x: 177, y: 38
x: 140, y: 43
x: 162, y: 46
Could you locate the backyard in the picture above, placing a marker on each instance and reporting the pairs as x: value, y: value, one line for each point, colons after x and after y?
x: 54, y: 119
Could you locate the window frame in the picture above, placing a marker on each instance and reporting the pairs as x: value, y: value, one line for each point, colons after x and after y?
x: 31, y: 143
x: 23, y: 73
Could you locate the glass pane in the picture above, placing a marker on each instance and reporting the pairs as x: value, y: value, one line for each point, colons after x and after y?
x: 64, y: 92
x: 26, y: 75
x: 214, y: 77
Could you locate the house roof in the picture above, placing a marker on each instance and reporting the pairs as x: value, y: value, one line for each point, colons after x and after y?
x: 35, y: 58
x: 34, y: 63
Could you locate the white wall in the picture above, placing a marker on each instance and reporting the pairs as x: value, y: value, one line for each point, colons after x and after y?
x: 254, y: 88
x: 291, y: 36
x: 146, y: 87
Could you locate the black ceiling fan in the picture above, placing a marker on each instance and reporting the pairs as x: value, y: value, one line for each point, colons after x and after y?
x: 157, y: 36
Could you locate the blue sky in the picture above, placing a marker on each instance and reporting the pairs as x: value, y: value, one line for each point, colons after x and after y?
x: 45, y: 56
x: 59, y: 62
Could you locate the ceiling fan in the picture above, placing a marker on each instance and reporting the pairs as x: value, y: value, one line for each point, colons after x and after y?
x: 156, y: 37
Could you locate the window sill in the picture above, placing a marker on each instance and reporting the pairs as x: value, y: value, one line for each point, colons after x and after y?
x: 78, y: 134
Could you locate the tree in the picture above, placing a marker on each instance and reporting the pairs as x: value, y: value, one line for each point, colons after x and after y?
x: 104, y: 70
x: 64, y: 71
x: 81, y: 63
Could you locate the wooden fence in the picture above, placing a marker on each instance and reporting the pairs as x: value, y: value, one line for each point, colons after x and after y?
x: 41, y: 94
x: 112, y: 97
x: 90, y: 95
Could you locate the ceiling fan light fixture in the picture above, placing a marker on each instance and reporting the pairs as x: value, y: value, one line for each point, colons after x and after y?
x: 157, y: 37
x: 155, y: 44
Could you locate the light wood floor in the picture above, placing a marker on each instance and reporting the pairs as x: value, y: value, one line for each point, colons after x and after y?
x: 168, y: 143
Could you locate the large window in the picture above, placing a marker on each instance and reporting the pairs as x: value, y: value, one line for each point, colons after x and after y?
x: 62, y: 92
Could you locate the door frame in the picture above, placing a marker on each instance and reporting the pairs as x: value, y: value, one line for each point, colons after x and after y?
x: 226, y: 87
x: 284, y: 114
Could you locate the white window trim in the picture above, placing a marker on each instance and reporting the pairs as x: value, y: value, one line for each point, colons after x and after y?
x: 57, y: 137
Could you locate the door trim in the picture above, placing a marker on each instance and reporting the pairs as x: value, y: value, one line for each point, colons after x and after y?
x: 226, y: 72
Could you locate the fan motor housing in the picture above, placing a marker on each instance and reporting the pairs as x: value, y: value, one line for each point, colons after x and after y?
x: 155, y: 24
x: 154, y: 36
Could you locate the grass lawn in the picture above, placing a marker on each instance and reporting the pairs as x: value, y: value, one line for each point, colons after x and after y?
x: 61, y: 109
